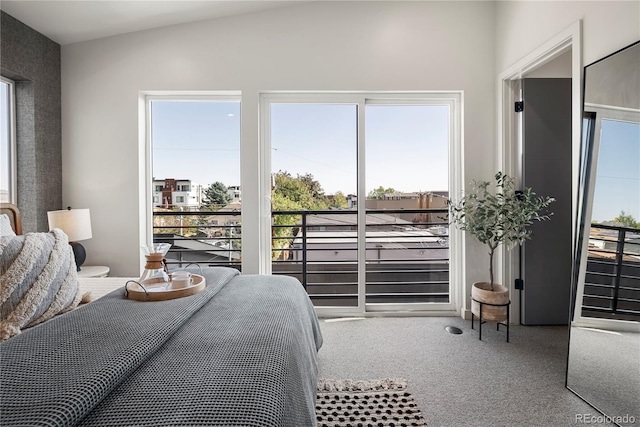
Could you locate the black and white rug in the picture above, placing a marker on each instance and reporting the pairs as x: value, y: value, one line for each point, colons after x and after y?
x: 373, y: 403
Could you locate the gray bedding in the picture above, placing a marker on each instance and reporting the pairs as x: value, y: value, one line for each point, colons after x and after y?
x: 241, y: 353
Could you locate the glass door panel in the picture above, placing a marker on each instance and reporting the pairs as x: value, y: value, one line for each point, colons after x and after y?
x: 313, y: 196
x: 407, y: 170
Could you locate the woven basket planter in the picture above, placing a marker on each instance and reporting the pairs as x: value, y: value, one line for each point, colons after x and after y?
x: 481, y: 291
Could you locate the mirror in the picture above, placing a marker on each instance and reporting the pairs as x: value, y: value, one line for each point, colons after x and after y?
x: 604, y: 345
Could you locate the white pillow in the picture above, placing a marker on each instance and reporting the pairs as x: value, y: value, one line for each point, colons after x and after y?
x: 39, y: 280
x: 5, y: 226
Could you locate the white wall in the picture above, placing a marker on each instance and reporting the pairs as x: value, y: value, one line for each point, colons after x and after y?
x: 522, y: 26
x: 321, y: 46
x: 557, y: 68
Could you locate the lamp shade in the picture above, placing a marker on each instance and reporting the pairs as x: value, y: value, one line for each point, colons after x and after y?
x: 76, y: 223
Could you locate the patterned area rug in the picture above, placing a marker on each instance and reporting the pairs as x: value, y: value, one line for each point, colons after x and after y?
x: 374, y: 403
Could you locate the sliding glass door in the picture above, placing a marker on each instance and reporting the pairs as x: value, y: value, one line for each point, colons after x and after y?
x: 358, y: 186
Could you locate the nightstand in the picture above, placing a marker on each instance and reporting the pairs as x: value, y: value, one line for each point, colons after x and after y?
x: 93, y: 271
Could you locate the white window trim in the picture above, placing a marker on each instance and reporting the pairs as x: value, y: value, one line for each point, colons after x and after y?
x: 13, y: 162
x: 455, y: 100
x: 145, y: 155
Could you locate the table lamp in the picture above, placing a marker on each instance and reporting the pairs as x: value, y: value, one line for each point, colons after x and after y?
x: 76, y: 224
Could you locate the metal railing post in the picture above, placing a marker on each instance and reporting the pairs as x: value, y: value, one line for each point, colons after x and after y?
x: 618, y: 269
x: 304, y: 250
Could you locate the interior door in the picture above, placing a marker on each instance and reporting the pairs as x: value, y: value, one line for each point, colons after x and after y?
x: 546, y: 168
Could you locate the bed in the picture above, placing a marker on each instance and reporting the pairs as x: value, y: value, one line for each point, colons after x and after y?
x: 12, y: 215
x: 243, y: 352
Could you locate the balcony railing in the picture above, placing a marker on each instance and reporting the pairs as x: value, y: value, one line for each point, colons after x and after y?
x: 407, y: 251
x: 206, y: 238
x: 612, y: 280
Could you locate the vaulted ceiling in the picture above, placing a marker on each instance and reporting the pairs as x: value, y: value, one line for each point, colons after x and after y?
x: 67, y: 22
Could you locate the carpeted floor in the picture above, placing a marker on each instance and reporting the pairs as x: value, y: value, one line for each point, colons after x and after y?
x: 457, y: 380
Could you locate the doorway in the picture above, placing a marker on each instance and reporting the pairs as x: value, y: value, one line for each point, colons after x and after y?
x: 562, y: 52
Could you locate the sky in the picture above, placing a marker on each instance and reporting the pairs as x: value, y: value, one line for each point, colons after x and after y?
x: 406, y: 150
x: 617, y: 185
x: 196, y: 140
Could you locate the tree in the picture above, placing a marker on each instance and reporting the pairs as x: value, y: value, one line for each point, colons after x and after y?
x: 500, y: 215
x: 216, y: 195
x: 293, y: 190
x: 283, y: 231
x: 339, y: 200
x: 313, y: 187
x: 378, y: 193
x: 185, y: 225
x: 627, y: 220
x: 293, y: 194
x: 303, y: 190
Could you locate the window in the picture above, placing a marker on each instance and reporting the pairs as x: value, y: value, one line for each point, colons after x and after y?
x: 194, y: 143
x: 398, y: 152
x: 7, y: 142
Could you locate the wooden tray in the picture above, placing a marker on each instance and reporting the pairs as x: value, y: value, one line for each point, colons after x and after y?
x: 159, y: 290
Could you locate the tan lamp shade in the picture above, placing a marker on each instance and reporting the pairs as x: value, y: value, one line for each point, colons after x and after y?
x: 76, y: 223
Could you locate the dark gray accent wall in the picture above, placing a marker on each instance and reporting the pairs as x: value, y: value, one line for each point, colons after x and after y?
x: 33, y: 62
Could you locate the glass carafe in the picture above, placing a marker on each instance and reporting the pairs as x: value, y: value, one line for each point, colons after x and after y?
x: 155, y: 269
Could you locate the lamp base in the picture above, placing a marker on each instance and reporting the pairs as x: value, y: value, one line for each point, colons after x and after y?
x: 79, y: 254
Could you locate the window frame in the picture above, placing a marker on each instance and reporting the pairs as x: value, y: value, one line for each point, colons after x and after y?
x: 145, y: 153
x: 12, y: 144
x: 453, y: 99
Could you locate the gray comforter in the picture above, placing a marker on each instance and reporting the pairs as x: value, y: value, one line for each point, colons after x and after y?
x: 241, y: 353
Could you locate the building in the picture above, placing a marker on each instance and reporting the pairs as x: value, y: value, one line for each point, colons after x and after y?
x: 409, y: 246
x: 604, y: 243
x: 416, y: 200
x: 224, y: 221
x: 235, y: 193
x: 180, y: 193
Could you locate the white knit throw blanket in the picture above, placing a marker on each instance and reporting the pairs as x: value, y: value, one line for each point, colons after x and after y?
x: 38, y: 280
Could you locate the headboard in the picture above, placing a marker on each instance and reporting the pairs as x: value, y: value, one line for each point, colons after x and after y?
x: 13, y: 213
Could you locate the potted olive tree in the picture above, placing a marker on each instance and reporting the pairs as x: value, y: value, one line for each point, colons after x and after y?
x: 496, y: 216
